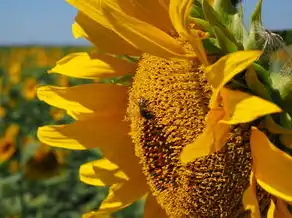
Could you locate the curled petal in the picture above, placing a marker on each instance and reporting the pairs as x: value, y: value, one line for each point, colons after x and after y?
x: 249, y: 200
x: 120, y: 196
x: 272, y: 167
x: 211, y: 140
x: 179, y: 11
x: 102, y: 172
x: 241, y: 107
x: 221, y: 72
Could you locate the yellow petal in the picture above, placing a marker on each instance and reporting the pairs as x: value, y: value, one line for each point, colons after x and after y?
x: 255, y: 84
x: 92, y: 9
x: 104, y: 99
x: 121, y: 196
x: 152, y: 208
x: 211, y: 140
x: 241, y: 107
x: 272, y: 167
x: 221, y: 72
x: 92, y: 66
x: 278, y: 210
x: 101, y: 173
x: 249, y: 199
x: 154, y: 12
x: 179, y: 11
x: 144, y: 36
x: 104, y: 39
x: 104, y: 132
x: 93, y: 215
x: 272, y: 211
x: 12, y: 131
x: 282, y: 208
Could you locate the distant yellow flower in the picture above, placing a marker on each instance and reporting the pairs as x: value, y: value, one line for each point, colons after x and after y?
x: 42, y: 58
x: 178, y: 136
x: 62, y: 81
x: 57, y: 114
x: 13, y: 166
x: 14, y: 72
x: 45, y: 163
x: 2, y: 112
x: 29, y: 88
x: 7, y: 142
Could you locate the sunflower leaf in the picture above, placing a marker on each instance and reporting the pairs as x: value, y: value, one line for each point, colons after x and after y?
x: 222, y: 33
x: 225, y: 44
x: 202, y: 24
x: 210, y: 44
x: 256, y: 27
x: 231, y: 17
x: 197, y: 10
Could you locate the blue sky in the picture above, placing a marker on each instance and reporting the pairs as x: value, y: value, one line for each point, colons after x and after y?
x: 49, y: 21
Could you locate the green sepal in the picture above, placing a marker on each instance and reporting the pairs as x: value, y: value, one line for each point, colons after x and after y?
x: 285, y: 120
x: 224, y: 42
x: 287, y: 98
x: 281, y: 76
x: 203, y: 25
x: 211, y: 47
x: 222, y: 33
x: 232, y: 18
x: 274, y: 127
x: 256, y: 26
x: 197, y: 10
x: 256, y: 85
x: 263, y: 74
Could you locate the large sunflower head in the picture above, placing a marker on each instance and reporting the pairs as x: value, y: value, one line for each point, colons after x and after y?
x: 204, y: 130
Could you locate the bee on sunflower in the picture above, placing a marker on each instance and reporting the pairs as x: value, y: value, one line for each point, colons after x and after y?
x: 204, y: 129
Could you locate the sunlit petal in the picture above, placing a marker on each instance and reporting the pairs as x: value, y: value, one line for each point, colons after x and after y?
x: 237, y: 106
x: 272, y: 167
x: 108, y: 99
x: 211, y: 140
x: 92, y: 66
x: 152, y: 208
x: 221, y: 72
x: 179, y: 11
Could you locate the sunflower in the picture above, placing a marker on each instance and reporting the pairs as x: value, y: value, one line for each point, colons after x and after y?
x: 199, y: 131
x: 7, y: 142
x: 44, y: 163
x: 29, y: 88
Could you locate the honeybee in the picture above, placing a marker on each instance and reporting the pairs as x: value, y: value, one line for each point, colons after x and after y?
x: 144, y: 112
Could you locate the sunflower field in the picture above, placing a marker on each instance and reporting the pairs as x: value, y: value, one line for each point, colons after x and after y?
x: 37, y: 180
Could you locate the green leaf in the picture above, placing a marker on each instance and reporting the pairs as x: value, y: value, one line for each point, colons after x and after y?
x: 28, y: 152
x: 256, y: 85
x: 225, y: 44
x: 222, y: 33
x: 210, y: 44
x: 197, y: 10
x: 256, y: 29
x: 202, y: 24
x: 232, y: 18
